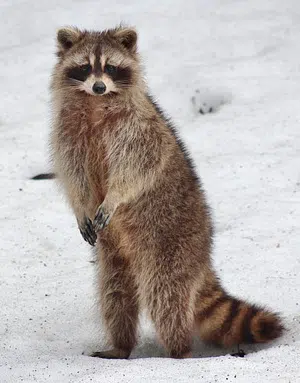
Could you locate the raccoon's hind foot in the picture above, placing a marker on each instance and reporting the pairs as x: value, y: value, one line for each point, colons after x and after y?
x: 102, y: 219
x: 240, y: 353
x: 87, y: 231
x: 115, y: 353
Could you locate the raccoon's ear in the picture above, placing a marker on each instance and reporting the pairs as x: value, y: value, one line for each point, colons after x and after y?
x: 128, y: 38
x: 66, y: 38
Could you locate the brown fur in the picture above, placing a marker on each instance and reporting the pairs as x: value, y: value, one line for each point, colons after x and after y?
x: 119, y: 151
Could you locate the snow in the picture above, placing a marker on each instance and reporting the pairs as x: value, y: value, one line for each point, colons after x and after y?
x: 243, y: 58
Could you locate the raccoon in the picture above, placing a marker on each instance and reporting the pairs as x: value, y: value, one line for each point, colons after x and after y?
x: 136, y: 196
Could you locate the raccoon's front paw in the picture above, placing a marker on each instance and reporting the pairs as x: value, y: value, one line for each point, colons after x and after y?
x: 102, y: 218
x: 87, y: 231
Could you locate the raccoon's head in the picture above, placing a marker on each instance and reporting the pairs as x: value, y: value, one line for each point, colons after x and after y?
x: 98, y: 63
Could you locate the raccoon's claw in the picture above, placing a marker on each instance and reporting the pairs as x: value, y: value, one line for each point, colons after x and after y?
x: 87, y: 231
x: 101, y: 219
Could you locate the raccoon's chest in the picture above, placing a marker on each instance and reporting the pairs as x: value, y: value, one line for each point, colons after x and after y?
x: 80, y: 150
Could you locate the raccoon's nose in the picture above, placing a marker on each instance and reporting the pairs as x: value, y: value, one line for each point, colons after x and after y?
x: 99, y: 87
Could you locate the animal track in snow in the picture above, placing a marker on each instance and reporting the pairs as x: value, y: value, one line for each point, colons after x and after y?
x: 205, y: 101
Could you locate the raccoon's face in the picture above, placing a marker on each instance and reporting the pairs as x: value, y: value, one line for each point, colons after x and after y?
x: 98, y: 63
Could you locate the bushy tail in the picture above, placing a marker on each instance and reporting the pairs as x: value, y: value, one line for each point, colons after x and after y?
x: 227, y: 321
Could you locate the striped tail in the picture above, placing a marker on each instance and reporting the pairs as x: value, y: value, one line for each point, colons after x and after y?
x: 226, y: 321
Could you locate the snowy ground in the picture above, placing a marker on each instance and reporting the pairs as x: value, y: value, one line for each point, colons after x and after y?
x: 243, y: 54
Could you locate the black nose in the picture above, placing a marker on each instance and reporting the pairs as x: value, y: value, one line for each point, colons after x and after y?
x: 99, y: 87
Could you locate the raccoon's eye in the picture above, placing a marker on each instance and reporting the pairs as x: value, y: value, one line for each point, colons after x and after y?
x: 79, y: 73
x: 86, y: 68
x: 110, y: 69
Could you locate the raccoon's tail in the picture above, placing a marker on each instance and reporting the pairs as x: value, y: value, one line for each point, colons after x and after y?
x: 226, y: 321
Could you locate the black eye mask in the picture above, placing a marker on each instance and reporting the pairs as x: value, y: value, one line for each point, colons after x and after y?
x: 123, y: 76
x: 118, y: 74
x: 111, y: 70
x: 79, y: 73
